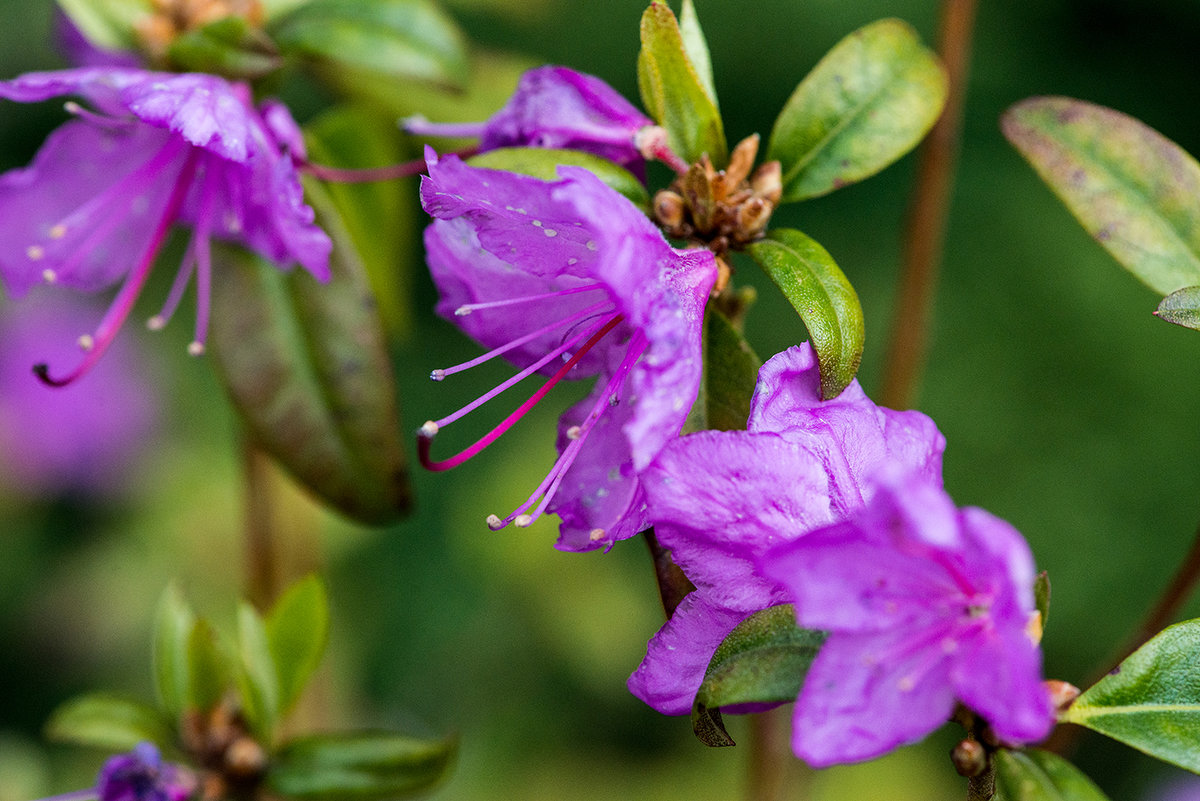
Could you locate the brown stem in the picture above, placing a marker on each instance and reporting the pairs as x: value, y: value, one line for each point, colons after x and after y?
x: 983, y: 786
x: 262, y: 575
x: 772, y: 773
x: 926, y: 226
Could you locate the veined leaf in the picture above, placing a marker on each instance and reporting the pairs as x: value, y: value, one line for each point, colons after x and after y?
x: 297, y: 631
x: 1151, y: 701
x: 823, y: 297
x: 1181, y: 307
x: 1041, y: 776
x: 867, y: 102
x: 172, y: 635
x: 359, y: 766
x: 107, y: 721
x: 257, y: 679
x: 1135, y: 191
x: 696, y: 47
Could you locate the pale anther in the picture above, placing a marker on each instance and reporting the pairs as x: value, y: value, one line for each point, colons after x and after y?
x: 494, y: 522
x: 573, y: 432
x: 523, y: 521
x: 195, y: 348
x: 428, y: 429
x: 156, y: 323
x: 596, y: 534
x: 86, y: 342
x: 58, y: 231
x: 437, y: 375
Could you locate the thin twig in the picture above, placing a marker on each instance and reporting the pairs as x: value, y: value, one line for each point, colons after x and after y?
x: 926, y: 226
x: 983, y: 786
x: 773, y: 774
x: 262, y: 574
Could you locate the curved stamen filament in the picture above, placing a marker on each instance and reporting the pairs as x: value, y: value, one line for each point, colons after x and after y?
x: 122, y: 304
x: 361, y: 175
x: 100, y: 120
x: 425, y: 438
x: 441, y: 373
x: 467, y: 308
x: 549, y: 486
x: 418, y: 125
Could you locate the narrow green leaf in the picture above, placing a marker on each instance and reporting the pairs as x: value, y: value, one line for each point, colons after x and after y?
x: 867, y: 102
x: 107, y: 721
x: 673, y: 91
x: 406, y: 40
x: 272, y: 9
x: 696, y: 47
x: 1181, y: 307
x: 229, y: 47
x: 1135, y: 191
x: 709, y: 727
x: 1151, y: 701
x: 307, y: 368
x: 172, y: 634
x: 1041, y: 776
x: 822, y: 295
x: 258, y: 682
x: 763, y: 660
x: 730, y: 373
x: 208, y: 671
x: 1041, y: 596
x: 297, y: 632
x: 378, y: 216
x: 108, y: 24
x: 359, y: 766
x: 543, y: 163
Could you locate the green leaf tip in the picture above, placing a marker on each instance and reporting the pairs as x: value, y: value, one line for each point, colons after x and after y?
x: 1035, y: 775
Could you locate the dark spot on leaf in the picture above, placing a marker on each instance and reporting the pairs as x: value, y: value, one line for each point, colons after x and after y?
x: 1115, y: 671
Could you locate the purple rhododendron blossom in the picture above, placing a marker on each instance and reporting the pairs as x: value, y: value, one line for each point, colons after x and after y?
x: 720, y: 499
x: 571, y: 279
x: 101, y: 195
x: 141, y: 775
x: 83, y: 438
x: 557, y: 107
x: 924, y: 604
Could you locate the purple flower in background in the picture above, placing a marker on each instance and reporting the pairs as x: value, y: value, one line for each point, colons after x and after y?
x: 557, y: 107
x: 924, y: 604
x: 720, y: 499
x: 141, y: 775
x: 570, y: 279
x: 80, y: 439
x: 101, y: 195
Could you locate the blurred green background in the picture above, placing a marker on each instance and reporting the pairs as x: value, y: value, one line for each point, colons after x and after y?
x: 1069, y: 410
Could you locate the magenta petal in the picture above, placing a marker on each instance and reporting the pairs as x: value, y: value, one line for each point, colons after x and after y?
x: 207, y: 111
x: 76, y: 164
x: 865, y: 695
x: 678, y: 655
x: 1001, y: 679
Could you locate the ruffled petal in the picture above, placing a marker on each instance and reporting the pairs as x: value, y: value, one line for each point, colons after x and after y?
x: 207, y: 111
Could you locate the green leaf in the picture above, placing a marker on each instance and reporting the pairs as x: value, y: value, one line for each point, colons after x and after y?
x: 730, y: 373
x: 1151, y: 701
x: 108, y: 24
x: 405, y: 40
x: 822, y: 295
x: 229, y: 47
x: 709, y: 727
x: 172, y: 635
x: 1041, y: 597
x: 257, y: 679
x: 1181, y: 307
x: 1135, y: 191
x: 307, y: 369
x: 359, y: 766
x: 107, y: 721
x: 543, y: 163
x: 273, y: 9
x: 696, y: 47
x: 1041, y: 776
x: 208, y: 671
x: 867, y: 102
x: 674, y: 92
x: 378, y: 215
x: 763, y: 660
x: 297, y: 632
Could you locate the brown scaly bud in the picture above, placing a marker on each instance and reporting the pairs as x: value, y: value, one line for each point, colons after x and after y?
x: 970, y: 758
x: 1062, y: 694
x: 173, y: 18
x: 752, y: 218
x: 245, y: 760
x: 670, y: 210
x: 699, y: 192
x: 741, y: 161
x: 767, y: 182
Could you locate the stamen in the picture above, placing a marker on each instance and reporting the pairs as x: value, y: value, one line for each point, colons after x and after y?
x: 419, y: 125
x: 122, y: 304
x: 102, y: 120
x: 521, y: 376
x: 441, y: 373
x: 467, y: 308
x: 550, y: 484
x: 362, y: 175
x: 424, y: 443
x: 195, y: 348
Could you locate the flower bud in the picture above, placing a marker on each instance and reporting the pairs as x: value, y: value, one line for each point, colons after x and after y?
x: 740, y: 162
x: 767, y: 182
x: 670, y: 210
x: 970, y: 758
x: 752, y: 218
x: 1062, y: 694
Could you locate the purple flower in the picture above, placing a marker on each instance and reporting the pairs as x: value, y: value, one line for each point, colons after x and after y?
x: 924, y: 603
x: 141, y: 775
x: 570, y: 279
x: 79, y: 51
x: 557, y: 107
x: 80, y: 439
x: 720, y: 499
x: 101, y: 195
